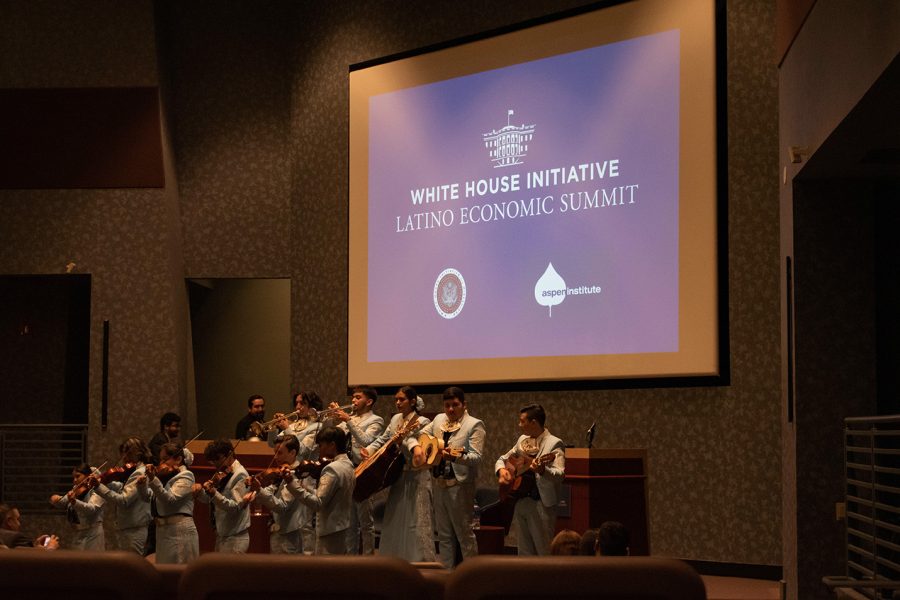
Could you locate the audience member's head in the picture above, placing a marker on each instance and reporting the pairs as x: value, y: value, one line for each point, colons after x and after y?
x: 10, y: 524
x: 9, y: 517
x: 612, y: 539
x: 588, y: 545
x: 565, y: 543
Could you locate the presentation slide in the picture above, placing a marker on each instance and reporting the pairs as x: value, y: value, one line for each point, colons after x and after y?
x: 524, y: 223
x: 527, y: 212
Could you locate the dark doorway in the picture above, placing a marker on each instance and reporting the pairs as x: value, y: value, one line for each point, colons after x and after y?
x: 241, y: 342
x: 44, y: 348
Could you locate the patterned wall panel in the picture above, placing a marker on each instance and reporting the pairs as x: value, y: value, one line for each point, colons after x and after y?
x: 257, y: 99
x: 714, y: 453
x: 124, y: 238
x: 227, y: 89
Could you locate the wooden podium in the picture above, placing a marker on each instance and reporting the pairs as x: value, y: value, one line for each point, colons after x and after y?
x: 256, y: 457
x: 608, y: 485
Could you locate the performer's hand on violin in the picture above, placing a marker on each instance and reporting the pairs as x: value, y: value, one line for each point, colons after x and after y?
x: 364, y: 452
x: 287, y: 473
x: 196, y: 490
x: 504, y: 476
x: 142, y: 480
x: 254, y: 484
x: 55, y: 498
x: 418, y: 457
x: 209, y: 487
x: 538, y: 466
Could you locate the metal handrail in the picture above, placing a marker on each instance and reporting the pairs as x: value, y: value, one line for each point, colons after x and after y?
x: 872, y: 497
x: 52, y: 451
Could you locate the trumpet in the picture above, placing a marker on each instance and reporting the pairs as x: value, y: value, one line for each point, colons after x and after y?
x: 321, y: 415
x: 259, y: 429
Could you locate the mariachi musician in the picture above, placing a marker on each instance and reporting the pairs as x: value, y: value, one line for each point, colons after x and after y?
x: 84, y: 510
x: 408, y: 527
x: 538, y: 458
x: 303, y: 425
x: 332, y: 498
x: 228, y: 498
x: 288, y: 513
x: 119, y: 487
x: 363, y: 426
x: 169, y: 489
x: 462, y: 439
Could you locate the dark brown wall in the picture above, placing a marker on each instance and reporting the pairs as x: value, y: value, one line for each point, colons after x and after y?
x: 256, y: 99
x: 827, y: 230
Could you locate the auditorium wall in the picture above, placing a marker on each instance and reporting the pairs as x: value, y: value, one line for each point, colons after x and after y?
x: 255, y: 101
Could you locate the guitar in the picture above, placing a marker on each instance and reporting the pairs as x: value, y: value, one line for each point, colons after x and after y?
x: 523, y: 476
x: 433, y: 447
x: 384, y: 466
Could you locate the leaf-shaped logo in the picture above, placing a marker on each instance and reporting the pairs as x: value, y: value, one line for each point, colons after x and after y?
x: 550, y: 289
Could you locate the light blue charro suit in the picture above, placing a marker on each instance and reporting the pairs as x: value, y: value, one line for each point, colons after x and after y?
x: 231, y: 514
x: 454, y: 497
x: 132, y: 511
x: 535, y: 518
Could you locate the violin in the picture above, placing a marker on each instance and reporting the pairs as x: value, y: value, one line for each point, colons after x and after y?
x: 311, y: 468
x: 271, y: 475
x: 216, y: 482
x: 83, y: 484
x: 86, y: 482
x: 217, y: 478
x: 164, y: 472
x: 120, y: 474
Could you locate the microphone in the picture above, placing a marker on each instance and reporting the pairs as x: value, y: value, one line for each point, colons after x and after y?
x: 590, y: 434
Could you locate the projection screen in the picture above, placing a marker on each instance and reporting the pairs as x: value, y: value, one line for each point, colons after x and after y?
x: 542, y: 204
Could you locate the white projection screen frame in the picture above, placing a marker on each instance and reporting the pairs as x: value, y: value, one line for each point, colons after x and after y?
x: 543, y: 204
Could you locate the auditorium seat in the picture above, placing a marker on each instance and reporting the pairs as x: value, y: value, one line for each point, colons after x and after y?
x: 574, y: 578
x: 70, y: 575
x: 241, y: 576
x: 170, y: 577
x: 435, y: 576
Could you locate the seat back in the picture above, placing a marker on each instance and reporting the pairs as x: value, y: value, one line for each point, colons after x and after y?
x: 574, y: 578
x: 37, y: 574
x: 241, y: 576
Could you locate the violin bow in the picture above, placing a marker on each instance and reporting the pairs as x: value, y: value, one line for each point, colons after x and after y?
x: 93, y: 471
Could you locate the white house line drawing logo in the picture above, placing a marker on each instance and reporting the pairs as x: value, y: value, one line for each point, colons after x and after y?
x: 509, y: 145
x: 449, y: 293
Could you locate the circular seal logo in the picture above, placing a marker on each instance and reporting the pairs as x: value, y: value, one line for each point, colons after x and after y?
x: 449, y: 293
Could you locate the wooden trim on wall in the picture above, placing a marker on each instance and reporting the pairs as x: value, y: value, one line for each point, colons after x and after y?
x: 81, y: 138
